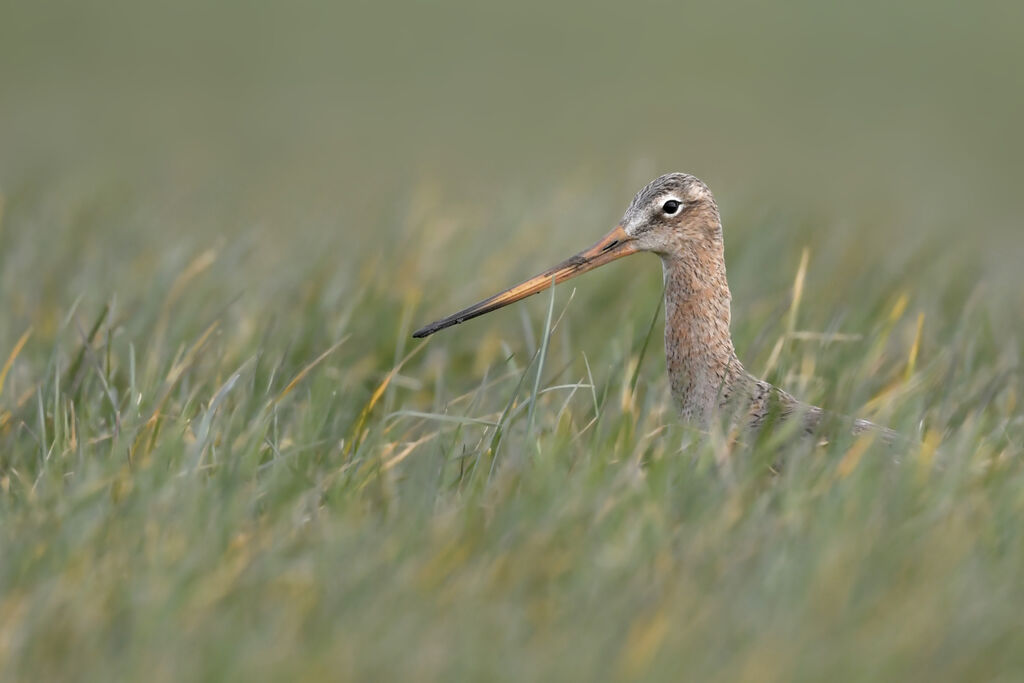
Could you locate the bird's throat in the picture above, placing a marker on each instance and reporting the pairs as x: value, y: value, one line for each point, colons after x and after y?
x: 699, y: 353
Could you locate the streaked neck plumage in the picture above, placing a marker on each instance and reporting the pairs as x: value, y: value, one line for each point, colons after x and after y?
x: 704, y: 371
x: 702, y: 363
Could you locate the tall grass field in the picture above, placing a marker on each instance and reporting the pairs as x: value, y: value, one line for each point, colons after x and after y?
x: 224, y: 458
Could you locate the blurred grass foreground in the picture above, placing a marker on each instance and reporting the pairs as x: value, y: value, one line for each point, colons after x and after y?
x: 223, y: 458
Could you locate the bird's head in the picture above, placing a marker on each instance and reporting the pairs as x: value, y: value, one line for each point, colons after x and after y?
x: 672, y: 214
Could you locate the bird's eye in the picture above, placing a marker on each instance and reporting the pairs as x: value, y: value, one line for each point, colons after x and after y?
x: 671, y: 207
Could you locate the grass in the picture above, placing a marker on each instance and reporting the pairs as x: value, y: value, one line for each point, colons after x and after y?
x: 223, y: 458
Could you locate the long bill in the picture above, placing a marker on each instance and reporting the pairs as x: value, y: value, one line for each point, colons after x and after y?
x: 612, y: 246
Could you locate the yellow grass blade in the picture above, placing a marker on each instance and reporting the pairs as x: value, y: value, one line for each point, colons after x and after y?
x: 404, y: 453
x: 798, y: 290
x: 643, y: 642
x: 773, y: 358
x: 173, y: 376
x: 929, y: 447
x: 195, y: 268
x: 175, y: 372
x: 378, y: 392
x: 915, y: 347
x: 899, y: 308
x: 306, y: 370
x: 852, y: 458
x: 10, y: 359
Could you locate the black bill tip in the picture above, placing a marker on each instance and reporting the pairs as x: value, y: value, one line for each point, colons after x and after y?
x: 433, y: 327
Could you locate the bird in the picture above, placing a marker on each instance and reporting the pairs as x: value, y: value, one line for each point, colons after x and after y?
x: 675, y: 216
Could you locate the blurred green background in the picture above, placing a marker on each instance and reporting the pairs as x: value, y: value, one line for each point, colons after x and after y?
x: 912, y: 105
x: 286, y: 122
x: 198, y: 199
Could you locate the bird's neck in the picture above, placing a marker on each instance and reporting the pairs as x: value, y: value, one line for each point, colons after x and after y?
x: 702, y: 363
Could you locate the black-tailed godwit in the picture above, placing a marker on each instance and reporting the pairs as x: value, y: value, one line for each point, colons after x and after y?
x: 676, y: 217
